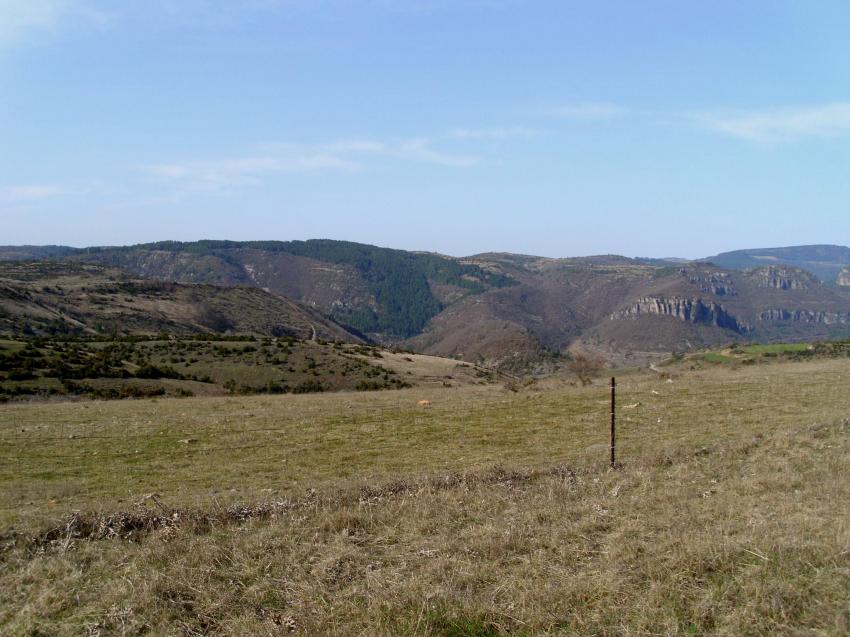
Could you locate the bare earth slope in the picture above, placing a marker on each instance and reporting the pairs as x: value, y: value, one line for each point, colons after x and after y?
x: 49, y: 297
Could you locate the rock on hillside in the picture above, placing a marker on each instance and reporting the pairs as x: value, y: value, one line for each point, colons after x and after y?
x: 783, y: 277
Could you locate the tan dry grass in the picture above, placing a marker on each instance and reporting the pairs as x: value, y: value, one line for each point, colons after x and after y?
x: 728, y: 518
x: 55, y: 458
x: 729, y: 542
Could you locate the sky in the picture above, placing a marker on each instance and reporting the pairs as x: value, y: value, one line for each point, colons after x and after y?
x: 562, y: 128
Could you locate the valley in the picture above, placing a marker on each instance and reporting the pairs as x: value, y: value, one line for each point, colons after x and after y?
x: 514, y: 313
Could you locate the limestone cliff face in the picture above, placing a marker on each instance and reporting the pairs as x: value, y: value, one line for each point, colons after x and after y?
x: 685, y: 309
x: 781, y: 277
x: 805, y: 316
x: 844, y: 278
x: 717, y: 283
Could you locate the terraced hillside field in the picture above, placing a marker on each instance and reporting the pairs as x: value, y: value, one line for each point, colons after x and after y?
x: 484, y: 512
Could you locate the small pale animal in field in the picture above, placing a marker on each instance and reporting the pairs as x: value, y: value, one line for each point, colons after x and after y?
x: 634, y: 406
x: 424, y: 403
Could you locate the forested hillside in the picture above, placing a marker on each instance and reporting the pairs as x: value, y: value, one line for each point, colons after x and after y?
x: 400, y: 296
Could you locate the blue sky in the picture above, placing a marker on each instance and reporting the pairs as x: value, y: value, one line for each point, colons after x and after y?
x: 459, y: 126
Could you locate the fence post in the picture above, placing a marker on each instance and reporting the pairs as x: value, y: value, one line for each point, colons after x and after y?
x: 613, y: 421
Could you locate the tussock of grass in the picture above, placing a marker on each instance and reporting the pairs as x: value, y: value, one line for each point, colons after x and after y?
x: 137, y: 524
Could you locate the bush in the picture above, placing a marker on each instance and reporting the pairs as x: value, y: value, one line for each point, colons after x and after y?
x: 275, y: 388
x: 154, y: 372
x: 585, y: 367
x: 21, y: 374
x: 369, y: 385
x: 308, y: 386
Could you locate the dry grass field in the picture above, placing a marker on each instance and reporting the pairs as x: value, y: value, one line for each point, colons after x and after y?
x: 488, y: 512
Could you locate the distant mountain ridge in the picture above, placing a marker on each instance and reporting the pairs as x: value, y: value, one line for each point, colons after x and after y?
x: 824, y: 261
x: 23, y: 253
x: 517, y: 311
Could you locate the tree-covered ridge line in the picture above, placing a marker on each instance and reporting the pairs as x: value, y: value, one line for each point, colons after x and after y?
x: 363, y: 256
x: 400, y: 281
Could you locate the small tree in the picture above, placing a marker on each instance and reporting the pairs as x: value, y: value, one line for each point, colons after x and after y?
x: 213, y: 319
x: 585, y: 367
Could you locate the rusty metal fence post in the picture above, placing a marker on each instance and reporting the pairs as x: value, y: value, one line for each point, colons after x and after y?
x: 613, y: 421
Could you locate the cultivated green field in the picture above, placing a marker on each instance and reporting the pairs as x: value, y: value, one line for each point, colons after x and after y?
x: 487, y: 512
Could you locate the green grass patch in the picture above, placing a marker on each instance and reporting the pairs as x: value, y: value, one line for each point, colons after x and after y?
x: 776, y: 348
x: 716, y: 357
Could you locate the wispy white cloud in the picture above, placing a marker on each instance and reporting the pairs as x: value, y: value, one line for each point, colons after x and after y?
x: 347, y: 155
x: 227, y: 175
x: 587, y: 111
x: 421, y: 150
x: 781, y: 125
x: 356, y: 146
x: 21, y: 20
x: 193, y: 14
x: 29, y: 192
x: 411, y: 149
x: 495, y: 133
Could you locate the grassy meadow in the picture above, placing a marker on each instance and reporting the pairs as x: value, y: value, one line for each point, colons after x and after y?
x: 487, y: 512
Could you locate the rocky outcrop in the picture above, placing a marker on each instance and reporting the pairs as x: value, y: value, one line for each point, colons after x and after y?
x: 805, y: 316
x: 685, y: 309
x: 717, y: 283
x: 782, y: 277
x: 843, y: 279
